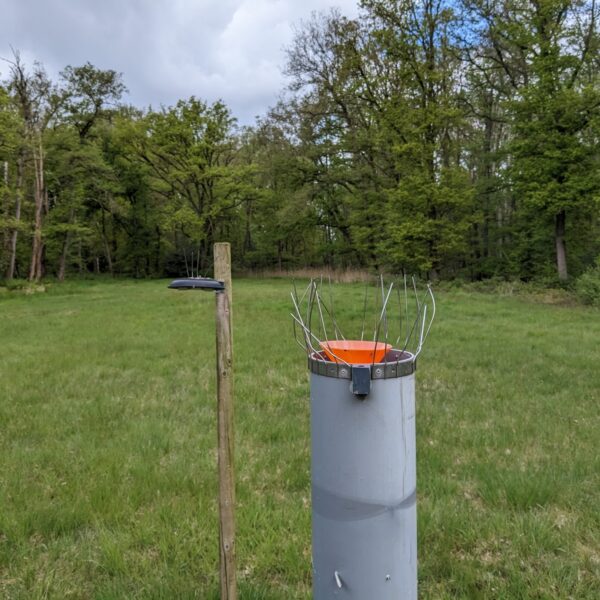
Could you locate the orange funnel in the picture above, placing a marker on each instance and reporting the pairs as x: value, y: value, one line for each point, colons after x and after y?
x: 355, y: 352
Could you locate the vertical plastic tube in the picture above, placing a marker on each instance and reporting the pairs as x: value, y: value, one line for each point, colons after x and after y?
x: 364, y: 514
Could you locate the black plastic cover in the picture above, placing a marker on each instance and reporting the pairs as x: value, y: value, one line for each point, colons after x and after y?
x: 197, y: 283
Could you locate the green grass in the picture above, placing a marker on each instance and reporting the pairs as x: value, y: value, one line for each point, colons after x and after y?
x: 107, y: 446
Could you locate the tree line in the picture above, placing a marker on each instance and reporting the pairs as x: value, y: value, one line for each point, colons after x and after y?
x: 444, y: 137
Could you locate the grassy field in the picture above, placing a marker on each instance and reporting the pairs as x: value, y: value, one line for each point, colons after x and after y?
x: 107, y: 446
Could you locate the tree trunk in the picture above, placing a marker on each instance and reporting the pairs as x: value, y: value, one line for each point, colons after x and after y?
x: 248, y: 234
x: 35, y: 270
x: 157, y: 255
x: 12, y: 247
x: 561, y: 246
x: 6, y: 234
x: 5, y: 204
x: 80, y: 255
x: 279, y: 255
x: 106, y: 246
x: 62, y: 264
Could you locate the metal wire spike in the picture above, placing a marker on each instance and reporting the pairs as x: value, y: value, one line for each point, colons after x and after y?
x: 410, y: 333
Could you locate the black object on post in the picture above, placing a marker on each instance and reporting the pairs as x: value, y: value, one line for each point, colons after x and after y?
x: 198, y: 283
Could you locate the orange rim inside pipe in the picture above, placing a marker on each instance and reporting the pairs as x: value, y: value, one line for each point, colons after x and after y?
x: 355, y: 352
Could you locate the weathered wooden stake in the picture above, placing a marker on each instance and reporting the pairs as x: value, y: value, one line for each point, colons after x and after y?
x: 222, y: 263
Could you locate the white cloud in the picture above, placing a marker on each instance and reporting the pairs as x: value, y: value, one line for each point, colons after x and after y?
x: 167, y: 49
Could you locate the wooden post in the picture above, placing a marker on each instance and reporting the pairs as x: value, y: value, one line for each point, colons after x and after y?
x: 222, y: 261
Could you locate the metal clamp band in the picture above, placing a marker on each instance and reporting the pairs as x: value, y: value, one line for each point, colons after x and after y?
x: 403, y: 364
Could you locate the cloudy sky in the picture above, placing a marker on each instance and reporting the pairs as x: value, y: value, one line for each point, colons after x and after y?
x: 166, y: 49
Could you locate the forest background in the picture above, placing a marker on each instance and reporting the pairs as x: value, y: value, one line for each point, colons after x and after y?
x: 456, y: 139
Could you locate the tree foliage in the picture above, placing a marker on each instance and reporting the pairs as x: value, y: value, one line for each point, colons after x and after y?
x: 453, y: 139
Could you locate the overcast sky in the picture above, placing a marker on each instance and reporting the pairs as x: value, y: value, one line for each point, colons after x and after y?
x: 166, y: 49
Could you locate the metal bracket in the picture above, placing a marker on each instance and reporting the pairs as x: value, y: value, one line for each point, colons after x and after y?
x: 397, y: 364
x: 361, y: 380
